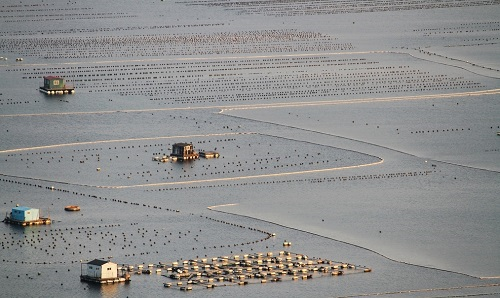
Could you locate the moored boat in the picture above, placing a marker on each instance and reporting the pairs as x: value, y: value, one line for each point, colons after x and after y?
x: 72, y: 208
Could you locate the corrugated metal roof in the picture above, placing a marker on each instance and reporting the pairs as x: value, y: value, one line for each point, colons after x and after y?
x: 182, y: 144
x: 22, y: 208
x: 52, y: 78
x: 98, y: 262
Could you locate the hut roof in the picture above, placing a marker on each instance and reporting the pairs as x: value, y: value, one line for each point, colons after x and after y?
x: 52, y: 78
x: 98, y: 262
x: 22, y: 208
x: 182, y: 144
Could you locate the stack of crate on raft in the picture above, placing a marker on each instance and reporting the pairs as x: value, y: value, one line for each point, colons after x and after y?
x: 56, y: 85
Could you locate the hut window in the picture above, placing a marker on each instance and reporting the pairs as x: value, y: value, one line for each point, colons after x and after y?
x: 109, y: 268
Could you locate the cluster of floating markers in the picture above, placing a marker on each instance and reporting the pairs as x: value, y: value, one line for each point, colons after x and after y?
x: 279, y: 8
x: 163, y: 45
x: 255, y: 79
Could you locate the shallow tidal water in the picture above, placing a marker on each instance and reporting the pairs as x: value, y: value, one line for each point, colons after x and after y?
x: 365, y: 135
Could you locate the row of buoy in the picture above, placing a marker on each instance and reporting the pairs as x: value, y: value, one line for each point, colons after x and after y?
x: 162, y: 44
x: 310, y: 180
x: 459, y: 60
x: 175, y: 70
x: 439, y: 130
x: 61, y: 31
x: 293, y: 85
x: 171, y: 71
x: 17, y: 102
x: 184, y: 98
x: 293, y: 9
x: 172, y: 50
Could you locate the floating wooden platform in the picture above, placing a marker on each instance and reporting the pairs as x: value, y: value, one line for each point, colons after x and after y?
x: 57, y: 91
x: 209, y: 154
x: 40, y: 221
x: 185, y: 157
x: 103, y: 280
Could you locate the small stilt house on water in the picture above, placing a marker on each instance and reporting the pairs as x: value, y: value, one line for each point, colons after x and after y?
x: 184, y: 151
x: 101, y: 271
x: 56, y: 85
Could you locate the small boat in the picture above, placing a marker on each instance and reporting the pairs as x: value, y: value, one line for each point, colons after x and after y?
x: 72, y: 208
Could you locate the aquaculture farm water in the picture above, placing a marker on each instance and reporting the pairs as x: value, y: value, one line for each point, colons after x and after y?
x: 360, y: 134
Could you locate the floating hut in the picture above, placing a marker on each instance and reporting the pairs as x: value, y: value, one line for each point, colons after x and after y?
x: 102, y: 271
x: 55, y: 85
x: 26, y: 216
x: 184, y: 151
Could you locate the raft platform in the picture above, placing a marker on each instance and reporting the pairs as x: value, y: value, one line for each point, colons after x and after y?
x: 57, y: 91
x: 209, y: 154
x: 40, y: 221
x: 103, y: 280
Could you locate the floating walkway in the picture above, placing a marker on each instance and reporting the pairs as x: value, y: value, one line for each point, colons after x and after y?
x: 251, y: 269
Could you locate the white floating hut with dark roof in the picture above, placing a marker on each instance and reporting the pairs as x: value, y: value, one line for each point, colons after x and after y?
x: 102, y: 271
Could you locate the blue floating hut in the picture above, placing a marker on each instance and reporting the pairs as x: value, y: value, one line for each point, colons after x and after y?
x: 24, y: 216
